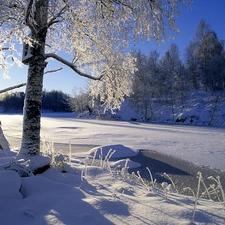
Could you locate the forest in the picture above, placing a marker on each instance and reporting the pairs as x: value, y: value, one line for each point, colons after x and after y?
x: 55, y: 101
x: 165, y: 78
x: 168, y: 79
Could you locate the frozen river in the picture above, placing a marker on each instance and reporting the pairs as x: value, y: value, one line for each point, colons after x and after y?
x: 201, y: 145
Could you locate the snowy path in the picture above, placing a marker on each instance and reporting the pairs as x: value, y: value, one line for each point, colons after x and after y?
x: 201, y: 145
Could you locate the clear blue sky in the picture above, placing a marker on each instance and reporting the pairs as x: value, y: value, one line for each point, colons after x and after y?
x: 213, y: 11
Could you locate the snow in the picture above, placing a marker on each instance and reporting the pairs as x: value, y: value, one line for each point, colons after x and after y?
x: 200, y: 108
x: 112, y: 151
x: 100, y: 197
x: 87, y: 194
x: 38, y: 162
x: 10, y: 185
x: 127, y: 163
x: 202, y: 145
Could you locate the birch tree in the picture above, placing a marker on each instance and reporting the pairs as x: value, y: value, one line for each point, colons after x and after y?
x: 89, y: 36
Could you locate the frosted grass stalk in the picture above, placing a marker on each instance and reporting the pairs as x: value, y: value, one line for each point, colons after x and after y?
x: 219, y: 185
x: 100, y: 157
x: 70, y: 152
x: 199, y: 174
x: 142, y: 181
x: 53, y: 152
x: 206, y: 189
x: 151, y: 177
x: 189, y: 189
x: 107, y: 158
x: 93, y: 159
x: 221, y: 188
x: 166, y: 175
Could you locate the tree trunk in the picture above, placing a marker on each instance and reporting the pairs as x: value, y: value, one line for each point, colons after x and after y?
x: 33, y: 98
x: 32, y: 108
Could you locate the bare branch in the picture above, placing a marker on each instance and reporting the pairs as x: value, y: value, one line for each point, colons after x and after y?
x: 29, y: 8
x: 54, y: 19
x: 53, y: 71
x: 4, y: 49
x: 13, y: 87
x: 28, y: 13
x: 72, y: 66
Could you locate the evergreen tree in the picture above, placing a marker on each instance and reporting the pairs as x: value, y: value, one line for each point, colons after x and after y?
x: 210, y: 54
x: 205, y: 58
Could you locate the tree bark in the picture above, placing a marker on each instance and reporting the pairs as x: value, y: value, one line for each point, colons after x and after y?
x: 30, y: 145
x: 32, y: 108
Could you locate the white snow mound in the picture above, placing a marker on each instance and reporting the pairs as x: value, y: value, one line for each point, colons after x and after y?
x: 125, y: 162
x: 120, y: 151
x: 38, y: 162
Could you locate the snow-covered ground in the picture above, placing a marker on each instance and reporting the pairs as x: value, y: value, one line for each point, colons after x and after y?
x: 91, y: 195
x: 199, y: 108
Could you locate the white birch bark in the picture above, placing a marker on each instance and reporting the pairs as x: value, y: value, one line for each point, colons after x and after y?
x: 33, y: 98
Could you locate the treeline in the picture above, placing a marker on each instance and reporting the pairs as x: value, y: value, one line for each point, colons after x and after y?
x: 169, y: 78
x: 55, y: 101
x: 166, y: 79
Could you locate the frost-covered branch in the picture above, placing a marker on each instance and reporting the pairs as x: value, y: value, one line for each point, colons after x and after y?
x: 13, y: 87
x: 54, y: 18
x: 72, y: 66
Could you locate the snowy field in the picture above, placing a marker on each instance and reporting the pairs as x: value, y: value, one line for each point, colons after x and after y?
x: 91, y: 195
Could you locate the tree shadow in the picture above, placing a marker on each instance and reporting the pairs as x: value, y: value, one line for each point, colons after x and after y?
x: 46, y: 201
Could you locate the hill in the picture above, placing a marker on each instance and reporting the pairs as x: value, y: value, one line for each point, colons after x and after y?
x: 198, y: 108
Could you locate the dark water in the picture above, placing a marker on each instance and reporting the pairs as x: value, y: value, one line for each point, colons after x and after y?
x: 182, y: 173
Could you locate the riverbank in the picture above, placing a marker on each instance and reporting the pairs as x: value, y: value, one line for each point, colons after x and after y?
x: 182, y: 173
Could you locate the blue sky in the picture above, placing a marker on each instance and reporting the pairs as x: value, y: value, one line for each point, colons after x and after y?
x: 66, y: 80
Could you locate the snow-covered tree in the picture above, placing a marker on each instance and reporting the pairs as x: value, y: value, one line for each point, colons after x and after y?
x: 169, y: 65
x: 89, y: 36
x: 80, y: 101
x: 145, y: 82
x: 205, y: 58
x: 172, y: 75
x: 191, y: 63
x: 202, y: 29
x: 210, y: 55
